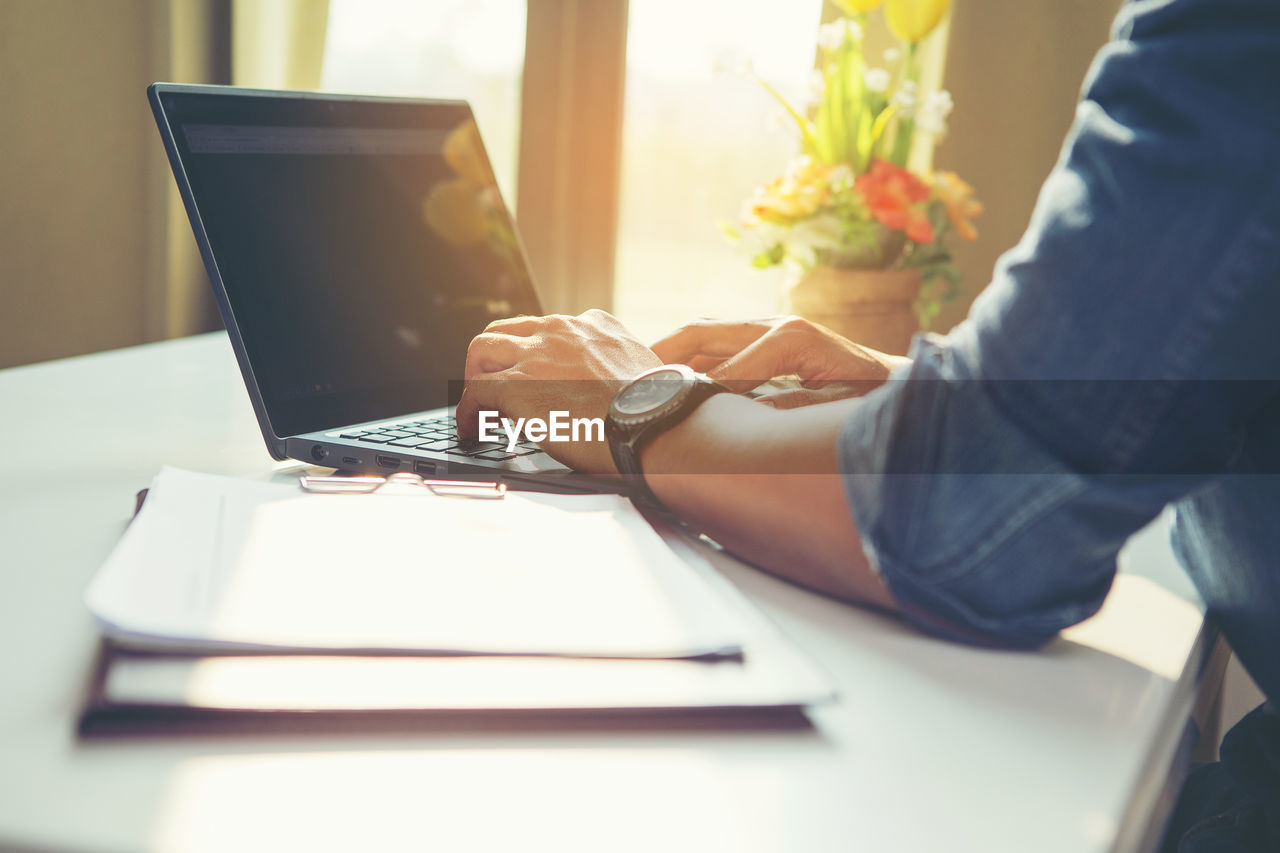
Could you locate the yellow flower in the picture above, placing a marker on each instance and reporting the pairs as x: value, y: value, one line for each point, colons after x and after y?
x: 452, y: 210
x: 797, y: 195
x: 912, y: 20
x: 853, y: 7
x: 958, y: 198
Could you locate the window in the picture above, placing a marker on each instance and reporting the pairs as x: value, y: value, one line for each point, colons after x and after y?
x: 468, y: 49
x: 695, y: 144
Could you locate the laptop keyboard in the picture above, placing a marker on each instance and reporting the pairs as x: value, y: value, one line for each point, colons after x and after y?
x: 439, y: 435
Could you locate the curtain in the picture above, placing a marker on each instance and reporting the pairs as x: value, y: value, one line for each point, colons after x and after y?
x: 278, y: 44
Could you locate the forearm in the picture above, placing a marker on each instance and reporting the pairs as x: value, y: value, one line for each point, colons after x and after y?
x: 765, y: 484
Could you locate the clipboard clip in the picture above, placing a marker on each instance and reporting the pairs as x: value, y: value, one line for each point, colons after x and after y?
x: 402, y: 483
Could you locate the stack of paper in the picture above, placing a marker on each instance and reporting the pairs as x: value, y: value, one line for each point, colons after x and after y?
x: 217, y: 564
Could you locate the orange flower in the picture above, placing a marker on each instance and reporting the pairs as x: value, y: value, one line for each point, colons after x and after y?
x: 962, y: 207
x: 897, y: 199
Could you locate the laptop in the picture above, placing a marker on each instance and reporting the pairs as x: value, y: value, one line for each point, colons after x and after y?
x: 355, y: 246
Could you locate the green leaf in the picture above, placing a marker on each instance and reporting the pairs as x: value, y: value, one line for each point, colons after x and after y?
x: 854, y: 108
x: 902, y: 142
x: 770, y: 257
x: 878, y: 130
x: 863, y: 144
x: 837, y: 82
x: 811, y: 145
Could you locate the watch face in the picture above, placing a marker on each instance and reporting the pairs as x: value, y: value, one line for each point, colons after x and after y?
x: 650, y: 392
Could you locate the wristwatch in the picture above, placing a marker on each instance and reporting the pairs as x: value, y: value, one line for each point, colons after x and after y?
x: 648, y: 405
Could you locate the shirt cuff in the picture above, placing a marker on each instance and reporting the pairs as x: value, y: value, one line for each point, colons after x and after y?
x: 960, y: 513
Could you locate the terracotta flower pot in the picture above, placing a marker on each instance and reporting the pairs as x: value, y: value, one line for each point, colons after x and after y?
x: 870, y: 307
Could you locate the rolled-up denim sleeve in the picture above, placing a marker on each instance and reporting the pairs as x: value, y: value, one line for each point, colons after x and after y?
x: 1107, y: 368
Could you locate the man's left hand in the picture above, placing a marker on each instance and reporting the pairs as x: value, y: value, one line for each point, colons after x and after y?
x: 527, y: 367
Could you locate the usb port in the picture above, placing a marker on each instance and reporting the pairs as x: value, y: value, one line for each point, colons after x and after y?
x: 388, y: 461
x: 426, y: 469
x: 350, y: 460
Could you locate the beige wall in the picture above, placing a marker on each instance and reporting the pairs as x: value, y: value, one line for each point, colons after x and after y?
x: 95, y: 252
x: 1014, y: 68
x: 75, y: 172
x: 90, y: 251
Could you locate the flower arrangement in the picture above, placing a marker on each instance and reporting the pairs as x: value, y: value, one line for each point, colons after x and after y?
x: 849, y: 200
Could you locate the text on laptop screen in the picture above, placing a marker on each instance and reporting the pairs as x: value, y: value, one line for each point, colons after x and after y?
x: 362, y: 244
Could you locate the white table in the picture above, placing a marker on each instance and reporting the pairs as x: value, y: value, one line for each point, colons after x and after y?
x: 934, y: 746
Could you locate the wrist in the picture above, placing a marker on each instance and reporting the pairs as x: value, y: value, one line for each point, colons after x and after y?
x: 717, y: 438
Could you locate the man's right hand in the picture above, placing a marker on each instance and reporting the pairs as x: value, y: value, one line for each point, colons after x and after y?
x: 743, y: 354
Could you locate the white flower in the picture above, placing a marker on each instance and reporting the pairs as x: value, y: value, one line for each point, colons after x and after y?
x: 876, y: 79
x: 892, y: 55
x: 832, y: 36
x: 934, y: 112
x: 758, y: 236
x: 941, y: 102
x: 779, y: 119
x: 905, y: 99
x: 819, y: 234
x: 798, y: 166
x: 841, y: 174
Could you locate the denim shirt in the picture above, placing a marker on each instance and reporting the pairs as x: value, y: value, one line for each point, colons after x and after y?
x: 1126, y: 356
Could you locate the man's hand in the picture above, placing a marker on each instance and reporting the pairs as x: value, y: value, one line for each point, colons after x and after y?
x: 744, y: 354
x: 527, y: 367
x: 749, y: 492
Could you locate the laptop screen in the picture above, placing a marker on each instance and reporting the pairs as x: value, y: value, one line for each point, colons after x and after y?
x: 361, y: 244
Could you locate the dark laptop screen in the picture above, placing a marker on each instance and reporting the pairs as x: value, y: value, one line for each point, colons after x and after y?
x: 362, y: 244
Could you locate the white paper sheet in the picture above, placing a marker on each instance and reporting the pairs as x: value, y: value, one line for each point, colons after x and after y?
x: 219, y: 563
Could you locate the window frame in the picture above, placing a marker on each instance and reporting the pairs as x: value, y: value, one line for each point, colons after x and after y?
x: 571, y: 126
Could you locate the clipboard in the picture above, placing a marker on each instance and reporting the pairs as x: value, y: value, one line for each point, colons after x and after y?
x: 148, y: 695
